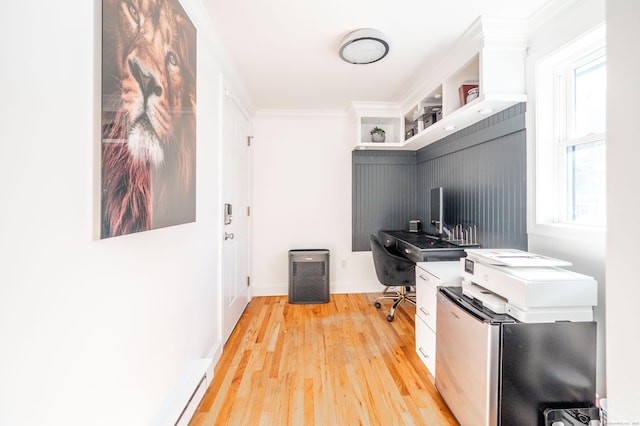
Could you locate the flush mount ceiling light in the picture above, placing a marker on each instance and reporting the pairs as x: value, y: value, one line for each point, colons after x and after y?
x: 364, y: 46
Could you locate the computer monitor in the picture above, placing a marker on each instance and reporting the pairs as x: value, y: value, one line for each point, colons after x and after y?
x: 437, y: 209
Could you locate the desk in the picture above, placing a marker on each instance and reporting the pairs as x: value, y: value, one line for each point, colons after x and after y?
x: 422, y: 247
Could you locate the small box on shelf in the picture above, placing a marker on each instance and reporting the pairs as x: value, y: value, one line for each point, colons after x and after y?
x: 410, y: 131
x: 431, y: 115
x: 429, y: 119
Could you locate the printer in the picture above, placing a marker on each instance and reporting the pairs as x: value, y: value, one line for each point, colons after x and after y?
x: 526, y: 286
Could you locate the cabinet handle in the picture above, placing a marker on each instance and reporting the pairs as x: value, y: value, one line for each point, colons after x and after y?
x: 424, y: 354
x: 424, y: 311
x: 422, y: 277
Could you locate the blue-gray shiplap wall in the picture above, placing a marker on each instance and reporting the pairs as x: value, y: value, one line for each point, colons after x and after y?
x: 384, y: 193
x: 482, y: 169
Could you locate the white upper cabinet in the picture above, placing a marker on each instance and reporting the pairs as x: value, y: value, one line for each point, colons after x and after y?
x: 483, y: 73
x: 383, y: 115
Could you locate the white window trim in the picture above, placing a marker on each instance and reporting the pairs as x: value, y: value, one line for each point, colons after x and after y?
x: 543, y: 163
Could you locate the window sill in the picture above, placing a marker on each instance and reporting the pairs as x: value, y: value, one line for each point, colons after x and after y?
x: 569, y: 232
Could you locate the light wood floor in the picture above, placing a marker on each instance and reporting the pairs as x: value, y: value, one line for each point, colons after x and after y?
x: 339, y: 363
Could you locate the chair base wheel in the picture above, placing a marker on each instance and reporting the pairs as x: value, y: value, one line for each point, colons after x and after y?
x: 389, y: 318
x: 378, y: 305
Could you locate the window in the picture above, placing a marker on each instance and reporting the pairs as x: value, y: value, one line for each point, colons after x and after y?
x: 571, y: 134
x: 582, y: 142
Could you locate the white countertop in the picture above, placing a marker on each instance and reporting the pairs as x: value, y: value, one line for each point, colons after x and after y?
x: 449, y: 272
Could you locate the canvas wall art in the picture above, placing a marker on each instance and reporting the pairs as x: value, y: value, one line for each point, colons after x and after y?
x: 148, y: 157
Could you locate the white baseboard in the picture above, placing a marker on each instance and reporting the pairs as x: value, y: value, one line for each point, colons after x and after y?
x: 341, y: 288
x: 191, y: 388
x: 214, y: 354
x: 270, y: 290
x: 361, y: 287
x: 197, y: 394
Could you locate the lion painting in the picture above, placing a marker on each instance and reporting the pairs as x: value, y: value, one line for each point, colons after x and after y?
x: 149, y: 116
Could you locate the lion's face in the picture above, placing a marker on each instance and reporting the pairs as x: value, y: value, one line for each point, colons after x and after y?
x: 148, y: 122
x: 156, y: 73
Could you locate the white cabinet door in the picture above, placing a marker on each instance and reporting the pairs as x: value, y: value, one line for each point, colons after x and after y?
x: 426, y: 289
x: 429, y: 276
x: 426, y: 345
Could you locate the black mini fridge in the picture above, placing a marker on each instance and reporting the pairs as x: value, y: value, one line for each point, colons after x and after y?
x: 493, y: 370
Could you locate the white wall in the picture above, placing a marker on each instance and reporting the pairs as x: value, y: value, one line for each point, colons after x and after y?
x: 610, y: 259
x: 551, y: 29
x: 92, y: 332
x: 302, y: 199
x: 623, y: 175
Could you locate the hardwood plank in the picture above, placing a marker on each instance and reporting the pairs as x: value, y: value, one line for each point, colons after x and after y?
x: 336, y: 363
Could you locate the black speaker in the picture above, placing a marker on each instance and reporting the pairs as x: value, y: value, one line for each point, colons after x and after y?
x: 309, y: 276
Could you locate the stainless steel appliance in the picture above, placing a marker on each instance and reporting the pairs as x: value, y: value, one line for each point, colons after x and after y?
x: 495, y: 370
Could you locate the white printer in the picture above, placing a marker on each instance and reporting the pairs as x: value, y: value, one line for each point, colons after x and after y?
x: 527, y: 286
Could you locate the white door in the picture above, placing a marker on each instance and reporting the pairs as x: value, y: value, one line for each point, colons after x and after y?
x: 235, y: 192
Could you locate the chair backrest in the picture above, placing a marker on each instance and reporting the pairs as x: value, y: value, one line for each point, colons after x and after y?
x: 391, y: 270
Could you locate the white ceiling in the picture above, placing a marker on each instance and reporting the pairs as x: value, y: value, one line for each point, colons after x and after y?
x: 286, y: 51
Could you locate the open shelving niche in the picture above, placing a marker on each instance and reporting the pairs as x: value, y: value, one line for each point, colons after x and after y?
x: 491, y: 54
x: 385, y: 115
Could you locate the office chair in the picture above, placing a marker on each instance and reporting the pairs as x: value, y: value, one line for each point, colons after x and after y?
x: 393, y: 271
